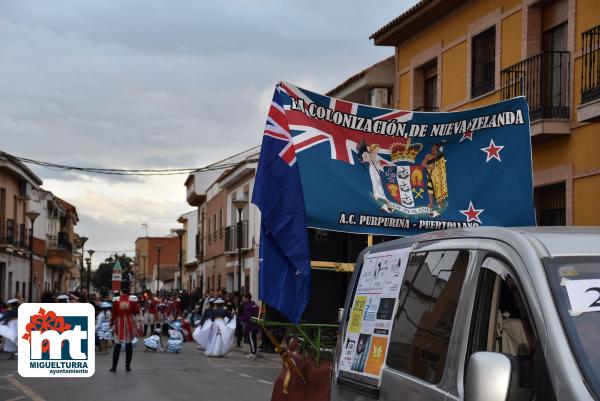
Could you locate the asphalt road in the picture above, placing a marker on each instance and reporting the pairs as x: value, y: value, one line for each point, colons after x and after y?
x: 187, y: 376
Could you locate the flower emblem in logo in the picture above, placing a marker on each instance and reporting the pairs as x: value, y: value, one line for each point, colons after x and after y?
x: 44, y: 321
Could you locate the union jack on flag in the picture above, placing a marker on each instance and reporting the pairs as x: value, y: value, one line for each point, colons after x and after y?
x: 277, y: 127
x: 301, y: 132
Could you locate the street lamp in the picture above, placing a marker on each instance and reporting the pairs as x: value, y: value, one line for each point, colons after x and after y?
x: 82, y: 241
x: 240, y: 204
x: 31, y: 215
x: 89, y: 278
x: 143, y: 272
x: 157, y: 247
x: 88, y: 261
x: 180, y: 232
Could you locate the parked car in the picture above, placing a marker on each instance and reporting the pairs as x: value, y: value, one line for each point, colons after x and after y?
x: 477, y: 314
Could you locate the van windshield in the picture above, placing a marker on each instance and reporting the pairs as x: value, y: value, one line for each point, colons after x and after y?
x: 575, y: 282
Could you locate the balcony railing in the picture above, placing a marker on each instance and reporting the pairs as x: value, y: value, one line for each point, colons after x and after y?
x: 590, y: 65
x: 231, y: 237
x: 10, y: 232
x: 60, y: 241
x: 14, y: 234
x: 544, y: 80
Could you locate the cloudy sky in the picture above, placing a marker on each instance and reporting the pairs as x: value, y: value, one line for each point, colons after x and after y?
x: 161, y: 83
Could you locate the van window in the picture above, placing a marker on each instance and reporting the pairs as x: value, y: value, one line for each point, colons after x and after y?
x: 501, y: 323
x: 426, y: 309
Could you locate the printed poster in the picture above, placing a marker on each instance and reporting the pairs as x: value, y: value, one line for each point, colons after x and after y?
x: 368, y: 332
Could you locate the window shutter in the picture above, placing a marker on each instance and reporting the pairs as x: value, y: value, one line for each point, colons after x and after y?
x: 555, y: 14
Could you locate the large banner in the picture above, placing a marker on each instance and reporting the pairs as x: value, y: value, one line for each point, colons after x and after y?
x: 371, y: 170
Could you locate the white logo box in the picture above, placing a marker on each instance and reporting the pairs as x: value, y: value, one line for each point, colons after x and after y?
x: 79, y: 362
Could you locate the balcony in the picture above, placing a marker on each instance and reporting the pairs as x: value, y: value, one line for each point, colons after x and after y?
x: 60, y: 251
x: 231, y: 245
x: 544, y: 80
x: 14, y: 235
x: 589, y: 110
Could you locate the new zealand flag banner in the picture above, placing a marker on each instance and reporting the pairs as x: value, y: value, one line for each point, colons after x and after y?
x: 371, y: 170
x: 335, y: 165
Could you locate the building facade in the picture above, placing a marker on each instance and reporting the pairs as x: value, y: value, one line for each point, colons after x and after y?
x: 147, y: 262
x: 452, y: 55
x: 216, y: 243
x: 191, y: 276
x: 16, y: 184
x: 238, y: 183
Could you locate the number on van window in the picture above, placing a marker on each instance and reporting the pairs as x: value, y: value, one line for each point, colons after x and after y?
x: 595, y: 303
x: 584, y: 295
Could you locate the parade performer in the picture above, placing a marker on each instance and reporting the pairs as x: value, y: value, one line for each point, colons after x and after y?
x: 125, y: 330
x: 222, y: 332
x: 175, y: 342
x: 154, y: 342
x: 8, y: 327
x: 186, y: 329
x: 202, y: 333
x: 137, y: 319
x: 250, y: 328
x: 103, y: 329
x: 150, y: 315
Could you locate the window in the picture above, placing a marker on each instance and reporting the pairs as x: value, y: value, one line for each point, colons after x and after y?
x: 550, y: 204
x: 483, y: 62
x: 556, y: 66
x: 501, y: 323
x: 2, y: 203
x: 425, y: 87
x: 427, y: 306
x: 430, y: 93
x: 221, y: 218
x: 17, y: 289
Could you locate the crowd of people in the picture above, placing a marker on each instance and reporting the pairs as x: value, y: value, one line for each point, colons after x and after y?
x: 162, y: 322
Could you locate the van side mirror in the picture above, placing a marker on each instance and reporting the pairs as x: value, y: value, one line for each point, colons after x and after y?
x: 488, y: 377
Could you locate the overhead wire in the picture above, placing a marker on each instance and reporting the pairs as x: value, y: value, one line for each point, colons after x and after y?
x: 219, y: 165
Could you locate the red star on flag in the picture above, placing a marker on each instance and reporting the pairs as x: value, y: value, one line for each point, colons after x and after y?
x: 467, y: 135
x: 472, y: 213
x: 492, y: 151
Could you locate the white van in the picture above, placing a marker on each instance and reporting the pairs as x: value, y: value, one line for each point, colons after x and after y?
x: 480, y: 314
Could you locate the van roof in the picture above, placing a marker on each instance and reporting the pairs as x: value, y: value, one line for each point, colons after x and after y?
x: 547, y: 241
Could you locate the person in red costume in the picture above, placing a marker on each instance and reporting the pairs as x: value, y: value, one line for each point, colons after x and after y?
x: 123, y: 325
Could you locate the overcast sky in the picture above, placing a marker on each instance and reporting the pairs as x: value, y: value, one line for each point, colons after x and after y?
x: 169, y: 83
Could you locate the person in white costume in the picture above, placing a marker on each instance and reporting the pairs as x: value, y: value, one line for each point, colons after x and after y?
x: 8, y: 327
x: 222, y: 331
x: 103, y: 329
x: 175, y: 342
x: 202, y: 333
x: 153, y: 343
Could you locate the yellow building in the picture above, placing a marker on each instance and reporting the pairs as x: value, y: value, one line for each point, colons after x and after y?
x: 452, y: 55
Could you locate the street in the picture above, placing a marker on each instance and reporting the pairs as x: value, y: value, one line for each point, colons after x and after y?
x: 185, y: 376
